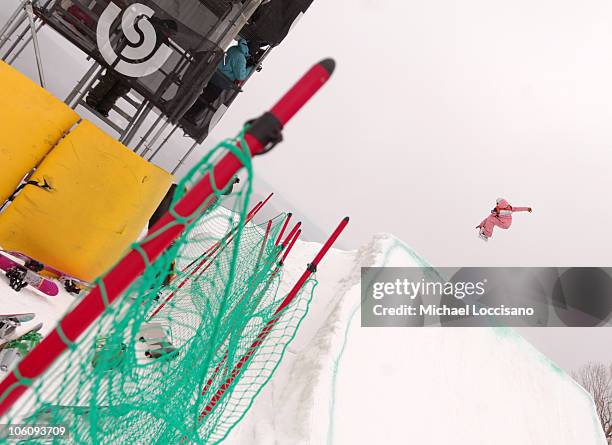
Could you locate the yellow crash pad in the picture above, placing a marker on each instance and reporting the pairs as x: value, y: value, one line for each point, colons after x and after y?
x: 32, y: 121
x: 101, y: 197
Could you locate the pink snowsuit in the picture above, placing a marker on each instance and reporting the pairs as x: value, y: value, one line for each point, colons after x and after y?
x: 501, y: 217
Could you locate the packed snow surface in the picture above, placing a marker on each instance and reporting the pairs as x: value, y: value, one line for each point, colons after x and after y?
x: 344, y: 384
x: 340, y: 383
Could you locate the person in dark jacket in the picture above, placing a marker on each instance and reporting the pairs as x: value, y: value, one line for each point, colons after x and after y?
x: 113, y: 85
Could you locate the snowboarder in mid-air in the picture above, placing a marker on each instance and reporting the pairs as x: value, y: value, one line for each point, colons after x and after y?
x: 501, y: 216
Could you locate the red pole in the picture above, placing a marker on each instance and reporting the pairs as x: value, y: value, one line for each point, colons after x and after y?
x: 282, y: 232
x: 255, y: 209
x: 295, y: 99
x: 292, y: 234
x: 272, y: 276
x: 285, y: 255
x: 215, y: 249
x: 227, y: 243
x: 263, y: 244
x: 216, y: 245
x: 293, y: 240
x: 215, y: 372
x: 259, y: 206
x: 310, y: 269
x: 258, y: 139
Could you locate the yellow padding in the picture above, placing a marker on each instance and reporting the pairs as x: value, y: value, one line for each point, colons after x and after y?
x: 102, y: 197
x: 31, y: 123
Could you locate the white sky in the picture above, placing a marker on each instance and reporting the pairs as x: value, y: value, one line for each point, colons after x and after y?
x: 439, y: 107
x: 436, y: 109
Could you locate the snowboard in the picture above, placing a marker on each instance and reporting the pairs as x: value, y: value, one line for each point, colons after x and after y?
x: 71, y: 284
x: 155, y: 336
x: 10, y: 322
x: 47, y: 413
x: 13, y: 350
x: 113, y: 354
x: 17, y: 334
x: 20, y: 276
x: 21, y: 318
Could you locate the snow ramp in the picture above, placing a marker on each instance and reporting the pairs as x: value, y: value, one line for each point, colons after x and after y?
x: 343, y: 384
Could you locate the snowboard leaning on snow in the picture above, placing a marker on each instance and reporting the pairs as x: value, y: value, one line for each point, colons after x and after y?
x: 71, y: 284
x: 20, y: 276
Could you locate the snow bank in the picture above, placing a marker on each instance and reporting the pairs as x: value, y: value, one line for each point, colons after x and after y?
x: 48, y: 310
x: 344, y: 384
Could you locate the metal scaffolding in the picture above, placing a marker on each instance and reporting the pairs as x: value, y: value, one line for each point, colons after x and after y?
x: 140, y: 119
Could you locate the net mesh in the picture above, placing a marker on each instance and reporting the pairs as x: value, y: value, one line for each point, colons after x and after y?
x: 179, y: 362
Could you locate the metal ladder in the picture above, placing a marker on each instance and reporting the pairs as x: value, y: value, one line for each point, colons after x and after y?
x: 132, y: 108
x: 23, y: 15
x: 126, y: 116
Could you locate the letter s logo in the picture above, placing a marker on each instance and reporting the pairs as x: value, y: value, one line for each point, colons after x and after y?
x: 145, y: 37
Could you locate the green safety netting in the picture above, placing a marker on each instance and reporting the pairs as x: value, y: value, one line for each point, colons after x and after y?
x: 179, y: 363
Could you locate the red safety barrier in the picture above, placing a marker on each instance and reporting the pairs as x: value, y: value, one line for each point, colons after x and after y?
x: 261, y: 137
